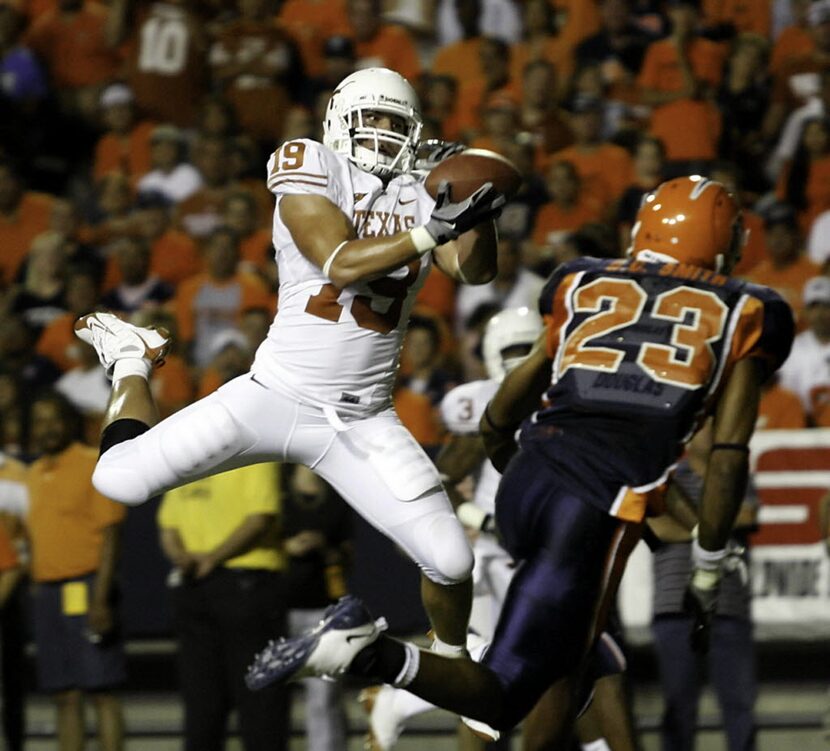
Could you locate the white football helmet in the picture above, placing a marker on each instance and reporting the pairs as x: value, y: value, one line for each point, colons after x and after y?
x: 514, y: 327
x: 344, y: 130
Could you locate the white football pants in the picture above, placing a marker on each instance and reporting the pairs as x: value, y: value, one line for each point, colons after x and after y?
x: 373, y: 463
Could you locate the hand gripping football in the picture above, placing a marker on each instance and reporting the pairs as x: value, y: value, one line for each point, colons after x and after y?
x: 467, y: 171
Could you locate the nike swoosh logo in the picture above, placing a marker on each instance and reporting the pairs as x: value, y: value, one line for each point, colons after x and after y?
x: 406, y: 203
x: 258, y: 383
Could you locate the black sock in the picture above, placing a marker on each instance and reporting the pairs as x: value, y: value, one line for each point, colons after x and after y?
x: 381, y: 661
x: 120, y: 431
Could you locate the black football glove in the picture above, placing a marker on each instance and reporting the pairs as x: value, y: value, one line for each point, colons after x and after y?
x: 449, y: 220
x: 432, y: 152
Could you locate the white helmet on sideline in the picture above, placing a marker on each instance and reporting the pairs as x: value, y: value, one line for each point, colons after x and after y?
x: 513, y: 327
x: 373, y: 90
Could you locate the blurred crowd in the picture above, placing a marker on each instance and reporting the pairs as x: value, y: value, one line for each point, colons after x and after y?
x: 134, y: 136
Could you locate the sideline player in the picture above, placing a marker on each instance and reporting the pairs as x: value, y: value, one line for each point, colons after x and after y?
x: 635, y: 353
x: 355, y: 236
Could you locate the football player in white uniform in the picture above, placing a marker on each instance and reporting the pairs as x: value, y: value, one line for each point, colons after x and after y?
x: 355, y: 235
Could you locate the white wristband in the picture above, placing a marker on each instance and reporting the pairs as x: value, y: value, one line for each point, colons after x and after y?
x: 330, y: 259
x: 706, y: 560
x: 422, y: 240
x: 470, y: 515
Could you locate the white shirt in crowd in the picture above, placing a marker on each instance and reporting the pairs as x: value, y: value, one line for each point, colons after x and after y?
x: 807, y: 367
x: 177, y: 185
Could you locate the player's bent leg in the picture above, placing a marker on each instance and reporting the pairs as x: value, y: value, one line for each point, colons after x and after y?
x: 398, y: 491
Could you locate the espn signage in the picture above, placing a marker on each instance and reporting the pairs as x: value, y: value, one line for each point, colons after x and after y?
x: 789, y: 565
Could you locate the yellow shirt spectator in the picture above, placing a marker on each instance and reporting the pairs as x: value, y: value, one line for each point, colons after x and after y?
x: 207, y: 511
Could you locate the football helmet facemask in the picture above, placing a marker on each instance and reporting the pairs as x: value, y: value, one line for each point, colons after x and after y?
x: 690, y: 220
x: 349, y: 128
x: 509, y: 336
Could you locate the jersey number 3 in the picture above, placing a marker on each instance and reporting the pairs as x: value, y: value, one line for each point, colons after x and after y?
x: 698, y: 319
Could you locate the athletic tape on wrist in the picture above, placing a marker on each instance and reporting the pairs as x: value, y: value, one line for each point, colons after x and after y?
x: 470, y: 515
x: 707, y: 560
x: 422, y: 240
x: 330, y: 259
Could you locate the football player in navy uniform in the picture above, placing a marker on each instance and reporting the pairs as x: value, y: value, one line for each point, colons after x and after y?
x: 635, y: 354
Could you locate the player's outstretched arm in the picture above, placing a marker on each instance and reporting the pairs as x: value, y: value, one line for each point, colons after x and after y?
x: 471, y: 259
x: 325, y: 235
x: 518, y: 396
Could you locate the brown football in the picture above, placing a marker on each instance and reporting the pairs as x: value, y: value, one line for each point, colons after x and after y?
x: 468, y: 170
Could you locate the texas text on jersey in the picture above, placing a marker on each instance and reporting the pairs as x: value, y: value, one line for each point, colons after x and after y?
x: 639, y: 353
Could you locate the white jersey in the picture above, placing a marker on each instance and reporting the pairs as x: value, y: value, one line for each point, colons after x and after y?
x: 461, y: 410
x: 335, y: 347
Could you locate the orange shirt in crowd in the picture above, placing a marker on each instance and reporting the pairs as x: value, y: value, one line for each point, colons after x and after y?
x: 172, y: 385
x: 553, y: 220
x: 256, y: 248
x: 689, y: 128
x: 794, y: 83
x: 780, y: 409
x: 788, y: 281
x: 576, y: 20
x: 29, y: 219
x: 67, y: 516
x: 605, y: 170
x: 471, y: 97
x: 199, y: 214
x: 311, y: 22
x: 554, y: 50
x: 459, y: 60
x: 418, y: 416
x: 209, y: 382
x: 73, y: 46
x: 57, y: 341
x: 8, y: 557
x: 755, y: 249
x: 391, y: 47
x: 745, y: 15
x: 792, y: 42
x: 128, y: 154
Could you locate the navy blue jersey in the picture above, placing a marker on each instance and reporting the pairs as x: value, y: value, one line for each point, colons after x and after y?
x: 640, y: 351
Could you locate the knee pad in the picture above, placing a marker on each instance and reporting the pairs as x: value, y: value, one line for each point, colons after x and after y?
x: 450, y: 555
x: 171, y: 453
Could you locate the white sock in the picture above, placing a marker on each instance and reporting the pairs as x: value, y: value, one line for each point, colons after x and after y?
x: 448, y: 650
x: 131, y: 366
x: 597, y: 745
x: 410, y: 666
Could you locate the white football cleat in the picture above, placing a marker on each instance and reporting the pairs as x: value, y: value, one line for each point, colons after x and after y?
x: 384, y: 728
x: 114, y: 339
x: 326, y: 650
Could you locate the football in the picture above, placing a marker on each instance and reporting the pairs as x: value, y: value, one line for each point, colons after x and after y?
x: 468, y: 170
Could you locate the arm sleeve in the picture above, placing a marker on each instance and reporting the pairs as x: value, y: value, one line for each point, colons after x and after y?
x: 777, y: 331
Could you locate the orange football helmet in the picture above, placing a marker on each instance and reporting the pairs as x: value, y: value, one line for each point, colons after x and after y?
x: 690, y: 220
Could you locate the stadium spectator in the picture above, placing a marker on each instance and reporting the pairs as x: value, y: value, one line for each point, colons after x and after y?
x: 213, y: 301
x: 460, y: 59
x: 494, y: 58
x: 338, y: 62
x: 779, y: 408
x: 379, y: 44
x: 220, y: 535
x: 806, y: 371
x: 256, y: 252
x: 793, y: 40
x: 73, y: 42
x: 500, y: 123
x: 731, y: 17
x: 109, y: 216
x: 312, y: 22
x: 57, y: 341
x: 786, y: 269
x: 540, y: 41
x: 22, y: 78
x: 605, y: 169
x: 171, y: 174
x: 88, y: 390
x: 14, y: 417
x: 677, y: 79
x: 540, y: 115
x: 174, y: 255
x: 496, y: 18
x: 125, y: 147
x: 201, y: 212
x: 440, y: 103
x: 316, y: 531
x: 229, y: 356
x: 648, y: 167
x: 258, y: 67
x: 18, y: 355
x: 570, y: 206
x: 23, y: 216
x: 138, y: 287
x: 74, y: 534
x: 167, y: 68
